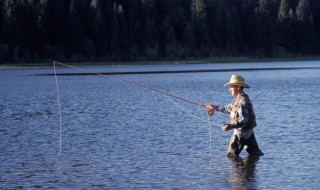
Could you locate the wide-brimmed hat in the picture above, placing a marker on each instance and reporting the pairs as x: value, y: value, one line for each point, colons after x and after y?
x: 238, y: 81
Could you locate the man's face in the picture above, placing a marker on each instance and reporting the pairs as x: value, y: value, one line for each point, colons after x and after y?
x: 234, y: 90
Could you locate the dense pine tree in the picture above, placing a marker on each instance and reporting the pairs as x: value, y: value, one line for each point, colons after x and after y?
x: 127, y: 30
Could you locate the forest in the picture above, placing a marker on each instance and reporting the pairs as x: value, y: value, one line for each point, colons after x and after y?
x: 151, y: 30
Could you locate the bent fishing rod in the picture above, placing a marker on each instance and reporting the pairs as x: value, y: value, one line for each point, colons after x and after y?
x: 133, y: 84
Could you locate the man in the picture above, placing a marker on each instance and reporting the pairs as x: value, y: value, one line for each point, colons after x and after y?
x: 242, y: 119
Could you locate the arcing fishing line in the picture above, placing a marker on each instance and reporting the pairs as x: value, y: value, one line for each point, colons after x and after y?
x: 135, y: 84
x: 191, y: 114
x: 59, y: 105
x: 209, y: 122
x: 167, y: 95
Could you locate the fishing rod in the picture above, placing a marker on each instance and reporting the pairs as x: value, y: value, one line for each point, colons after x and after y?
x: 134, y: 84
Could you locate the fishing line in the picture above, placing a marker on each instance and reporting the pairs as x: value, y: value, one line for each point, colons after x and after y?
x: 191, y: 114
x: 210, y: 135
x: 165, y: 94
x: 59, y: 106
x: 134, y: 84
x: 194, y: 116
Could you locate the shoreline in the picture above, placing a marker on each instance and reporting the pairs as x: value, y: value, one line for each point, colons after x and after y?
x: 165, y: 62
x: 174, y: 72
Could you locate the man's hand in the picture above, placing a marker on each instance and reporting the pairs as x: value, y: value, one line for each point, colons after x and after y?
x: 210, y: 108
x: 226, y: 127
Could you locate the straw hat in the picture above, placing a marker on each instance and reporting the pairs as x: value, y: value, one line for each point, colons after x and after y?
x: 237, y: 80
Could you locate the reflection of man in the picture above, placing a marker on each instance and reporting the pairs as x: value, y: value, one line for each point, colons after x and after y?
x: 242, y: 119
x: 243, y: 176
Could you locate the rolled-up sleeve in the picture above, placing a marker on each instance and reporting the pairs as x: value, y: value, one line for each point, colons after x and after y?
x: 224, y: 109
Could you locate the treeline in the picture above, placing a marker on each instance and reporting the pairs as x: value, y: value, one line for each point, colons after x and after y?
x: 131, y: 30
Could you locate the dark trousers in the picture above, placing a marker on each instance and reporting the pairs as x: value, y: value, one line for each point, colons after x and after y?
x: 236, y: 145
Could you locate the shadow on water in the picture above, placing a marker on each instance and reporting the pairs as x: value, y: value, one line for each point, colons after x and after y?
x: 243, y: 172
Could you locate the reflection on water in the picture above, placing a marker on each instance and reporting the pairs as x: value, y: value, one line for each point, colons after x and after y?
x: 243, y: 172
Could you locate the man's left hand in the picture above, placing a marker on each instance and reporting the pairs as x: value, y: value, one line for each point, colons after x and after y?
x: 226, y: 127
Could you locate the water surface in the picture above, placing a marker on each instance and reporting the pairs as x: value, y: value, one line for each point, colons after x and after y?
x: 118, y: 136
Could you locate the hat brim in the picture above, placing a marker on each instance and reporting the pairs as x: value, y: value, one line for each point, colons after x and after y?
x: 238, y: 84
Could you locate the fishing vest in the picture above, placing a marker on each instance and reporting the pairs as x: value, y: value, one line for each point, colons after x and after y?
x: 234, y: 115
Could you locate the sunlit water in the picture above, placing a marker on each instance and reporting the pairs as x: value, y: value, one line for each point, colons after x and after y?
x: 118, y: 136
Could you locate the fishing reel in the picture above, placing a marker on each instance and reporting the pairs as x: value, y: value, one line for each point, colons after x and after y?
x: 210, y: 112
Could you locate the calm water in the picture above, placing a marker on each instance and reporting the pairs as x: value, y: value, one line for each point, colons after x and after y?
x: 117, y: 136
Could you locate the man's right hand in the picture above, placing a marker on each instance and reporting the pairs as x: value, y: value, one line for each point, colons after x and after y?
x: 210, y: 108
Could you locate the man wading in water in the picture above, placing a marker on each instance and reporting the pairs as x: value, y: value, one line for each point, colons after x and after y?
x: 242, y: 119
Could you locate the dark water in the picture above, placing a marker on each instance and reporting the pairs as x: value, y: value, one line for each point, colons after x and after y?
x: 117, y: 136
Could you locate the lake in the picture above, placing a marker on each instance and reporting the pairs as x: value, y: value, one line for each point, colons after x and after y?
x: 115, y: 135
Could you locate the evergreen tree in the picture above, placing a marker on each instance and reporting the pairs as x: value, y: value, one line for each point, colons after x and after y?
x: 285, y: 34
x: 179, y: 21
x: 121, y: 34
x: 3, y: 46
x: 303, y: 10
x: 305, y: 32
x: 99, y: 30
x: 1, y: 20
x: 8, y: 31
x: 215, y: 19
x: 151, y: 39
x: 249, y: 27
x: 198, y: 22
x: 198, y: 9
x: 109, y: 13
x: 139, y: 19
x: 76, y: 34
x: 212, y: 19
x: 315, y: 9
x: 266, y: 26
x: 52, y: 37
x: 230, y: 43
x: 189, y: 41
x: 283, y: 10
